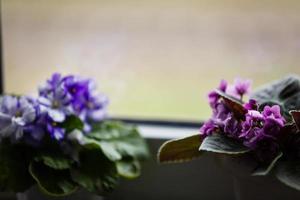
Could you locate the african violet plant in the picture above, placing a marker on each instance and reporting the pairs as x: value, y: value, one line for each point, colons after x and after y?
x: 266, y: 129
x: 62, y: 141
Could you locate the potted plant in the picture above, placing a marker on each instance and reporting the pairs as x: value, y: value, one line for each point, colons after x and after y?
x: 257, y: 141
x: 61, y: 145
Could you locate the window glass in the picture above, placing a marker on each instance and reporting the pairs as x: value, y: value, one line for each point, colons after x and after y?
x: 154, y: 59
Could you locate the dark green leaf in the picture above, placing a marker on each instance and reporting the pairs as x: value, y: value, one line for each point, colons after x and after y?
x: 288, y: 172
x: 284, y: 92
x: 220, y: 143
x: 296, y: 117
x: 110, y: 150
x: 52, y: 182
x: 71, y: 123
x: 265, y: 168
x: 180, y: 150
x: 95, y: 173
x: 118, y: 138
x: 109, y: 129
x: 55, y: 161
x: 14, y: 163
x: 292, y: 103
x: 107, y: 148
x: 128, y: 168
x: 235, y: 105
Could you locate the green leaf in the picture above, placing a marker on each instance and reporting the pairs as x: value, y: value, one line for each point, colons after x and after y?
x: 71, y: 123
x: 128, y: 168
x: 296, y: 117
x: 180, y: 150
x: 110, y: 150
x: 14, y: 162
x: 265, y: 168
x: 117, y: 138
x: 55, y: 161
x: 235, y: 105
x: 107, y: 148
x: 95, y: 173
x: 288, y: 172
x: 109, y: 129
x: 52, y: 182
x: 219, y: 143
x: 284, y: 92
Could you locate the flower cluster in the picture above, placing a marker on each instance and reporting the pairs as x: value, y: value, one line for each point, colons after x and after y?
x: 60, y: 97
x: 255, y: 129
x: 261, y: 135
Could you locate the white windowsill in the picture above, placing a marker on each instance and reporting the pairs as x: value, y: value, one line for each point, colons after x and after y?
x: 164, y: 132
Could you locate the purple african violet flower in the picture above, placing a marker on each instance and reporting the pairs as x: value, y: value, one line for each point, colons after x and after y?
x: 95, y: 109
x: 239, y: 88
x: 81, y: 95
x: 220, y: 114
x: 252, y: 128
x: 35, y: 131
x: 221, y: 121
x: 213, y: 96
x: 261, y: 126
x: 223, y: 85
x: 16, y: 114
x: 62, y: 96
x: 242, y: 87
x: 50, y: 84
x: 259, y: 131
x: 251, y: 105
x: 55, y: 99
x: 77, y: 87
x: 273, y: 113
x: 271, y: 128
x: 55, y: 102
x: 232, y: 126
x: 208, y: 128
x: 220, y: 111
x: 55, y: 131
x: 88, y: 103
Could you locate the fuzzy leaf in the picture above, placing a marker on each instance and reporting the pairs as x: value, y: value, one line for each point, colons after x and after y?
x: 52, y: 182
x: 267, y: 167
x: 55, y: 161
x: 218, y: 143
x: 284, y: 92
x: 119, y: 140
x: 233, y: 104
x: 95, y: 173
x: 292, y: 103
x: 128, y: 168
x: 296, y: 117
x: 107, y: 148
x: 288, y: 172
x: 180, y: 150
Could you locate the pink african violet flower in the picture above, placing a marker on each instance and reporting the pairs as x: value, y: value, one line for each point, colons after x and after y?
x: 257, y: 128
x: 240, y: 88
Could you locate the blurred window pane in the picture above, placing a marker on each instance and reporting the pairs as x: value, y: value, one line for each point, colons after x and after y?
x: 155, y: 58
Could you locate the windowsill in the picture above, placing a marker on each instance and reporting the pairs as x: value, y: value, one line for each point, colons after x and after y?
x: 165, y: 132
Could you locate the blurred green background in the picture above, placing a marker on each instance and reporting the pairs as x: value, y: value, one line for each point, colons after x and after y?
x: 154, y: 59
